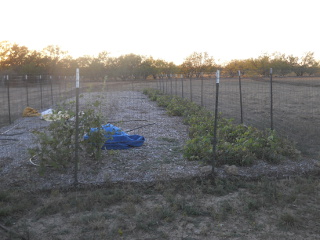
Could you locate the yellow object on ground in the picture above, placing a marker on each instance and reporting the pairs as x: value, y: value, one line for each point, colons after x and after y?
x: 30, y: 112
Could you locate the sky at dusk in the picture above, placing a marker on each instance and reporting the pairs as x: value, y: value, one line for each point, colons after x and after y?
x: 167, y: 29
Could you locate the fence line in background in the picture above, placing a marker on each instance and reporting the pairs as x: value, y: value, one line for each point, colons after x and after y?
x: 38, y: 92
x: 289, y: 105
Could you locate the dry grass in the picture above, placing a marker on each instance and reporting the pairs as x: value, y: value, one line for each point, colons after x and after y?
x: 192, y: 209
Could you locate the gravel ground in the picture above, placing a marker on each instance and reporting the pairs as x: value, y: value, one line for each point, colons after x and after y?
x: 160, y: 158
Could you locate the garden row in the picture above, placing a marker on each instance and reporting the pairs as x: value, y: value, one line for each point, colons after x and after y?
x: 238, y: 144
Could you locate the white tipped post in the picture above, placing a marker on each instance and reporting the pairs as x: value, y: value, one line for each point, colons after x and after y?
x: 77, y: 78
x: 76, y: 160
x: 218, y: 76
x: 214, y: 140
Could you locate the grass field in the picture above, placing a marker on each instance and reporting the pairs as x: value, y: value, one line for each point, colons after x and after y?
x: 191, y: 209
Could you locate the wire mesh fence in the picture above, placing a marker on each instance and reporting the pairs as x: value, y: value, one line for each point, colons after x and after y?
x: 39, y: 92
x: 290, y: 107
x: 295, y: 112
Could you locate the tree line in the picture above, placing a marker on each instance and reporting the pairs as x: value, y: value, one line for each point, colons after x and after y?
x: 281, y: 64
x: 52, y: 60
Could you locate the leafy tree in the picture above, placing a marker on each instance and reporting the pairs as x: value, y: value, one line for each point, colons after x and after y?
x: 128, y: 66
x: 98, y: 66
x: 280, y: 64
x: 5, y: 47
x: 309, y: 63
x: 94, y: 68
x: 262, y: 65
x: 232, y: 68
x: 90, y: 67
x: 52, y: 55
x: 171, y: 69
x: 197, y: 63
x: 34, y: 64
x: 162, y: 68
x: 111, y: 68
x: 147, y: 68
x: 304, y: 65
x: 12, y: 56
x: 67, y: 65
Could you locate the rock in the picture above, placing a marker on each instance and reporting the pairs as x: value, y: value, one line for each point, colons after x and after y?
x: 231, y: 170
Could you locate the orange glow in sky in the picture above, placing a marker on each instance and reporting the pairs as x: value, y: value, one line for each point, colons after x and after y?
x: 166, y: 29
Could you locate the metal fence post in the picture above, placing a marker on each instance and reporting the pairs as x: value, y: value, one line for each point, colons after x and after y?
x: 76, y: 155
x: 190, y: 88
x: 59, y: 85
x: 40, y: 92
x: 176, y: 85
x: 170, y: 84
x: 8, y: 95
x: 181, y: 85
x: 51, y: 90
x: 214, y: 140
x: 27, y: 90
x: 65, y: 88
x: 163, y: 84
x: 202, y: 89
x: 271, y: 101
x: 240, y: 91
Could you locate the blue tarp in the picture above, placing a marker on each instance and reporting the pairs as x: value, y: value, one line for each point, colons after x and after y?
x: 117, y: 139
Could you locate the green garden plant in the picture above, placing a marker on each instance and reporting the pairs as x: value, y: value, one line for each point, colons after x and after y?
x: 56, y: 145
x: 237, y: 144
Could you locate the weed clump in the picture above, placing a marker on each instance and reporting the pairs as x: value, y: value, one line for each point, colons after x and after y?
x: 237, y: 144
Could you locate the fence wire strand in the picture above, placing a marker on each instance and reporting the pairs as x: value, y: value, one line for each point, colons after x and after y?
x: 296, y: 113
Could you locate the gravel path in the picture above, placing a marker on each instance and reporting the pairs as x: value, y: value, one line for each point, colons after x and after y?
x: 159, y: 158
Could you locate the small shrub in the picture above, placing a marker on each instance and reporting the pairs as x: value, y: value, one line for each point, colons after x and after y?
x: 198, y: 148
x: 163, y: 101
x: 152, y: 93
x: 56, y: 145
